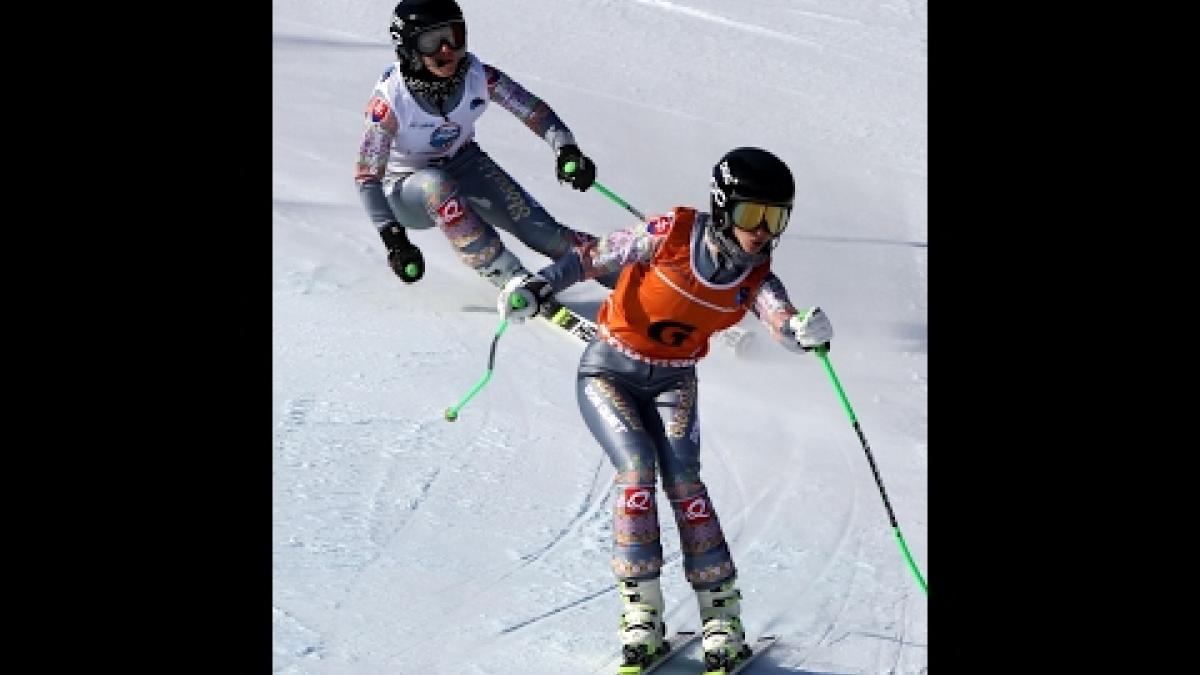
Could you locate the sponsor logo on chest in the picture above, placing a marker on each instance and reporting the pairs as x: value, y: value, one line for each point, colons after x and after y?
x: 445, y: 135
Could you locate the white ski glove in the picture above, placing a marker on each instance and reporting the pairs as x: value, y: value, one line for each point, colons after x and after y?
x: 811, y: 329
x: 522, y: 297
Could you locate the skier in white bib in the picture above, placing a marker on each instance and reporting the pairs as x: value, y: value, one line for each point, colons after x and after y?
x: 419, y: 165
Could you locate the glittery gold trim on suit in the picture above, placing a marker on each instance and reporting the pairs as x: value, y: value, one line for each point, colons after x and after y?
x: 678, y: 428
x: 481, y: 258
x: 710, y: 574
x: 618, y: 402
x: 627, y: 570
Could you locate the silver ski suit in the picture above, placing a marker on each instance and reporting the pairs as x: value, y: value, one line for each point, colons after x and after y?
x: 644, y: 411
x: 421, y: 167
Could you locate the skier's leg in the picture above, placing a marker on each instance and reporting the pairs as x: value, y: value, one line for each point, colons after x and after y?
x: 609, y: 410
x: 706, y: 558
x: 508, y: 206
x: 610, y: 413
x: 432, y: 197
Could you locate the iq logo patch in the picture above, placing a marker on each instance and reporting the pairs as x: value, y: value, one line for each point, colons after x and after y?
x: 696, y: 510
x: 638, y: 499
x: 450, y: 212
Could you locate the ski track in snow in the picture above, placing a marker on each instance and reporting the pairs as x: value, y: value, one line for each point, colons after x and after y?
x: 588, y: 504
x: 373, y: 499
x: 727, y: 23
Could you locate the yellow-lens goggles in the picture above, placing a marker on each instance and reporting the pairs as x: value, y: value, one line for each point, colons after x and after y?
x: 749, y: 216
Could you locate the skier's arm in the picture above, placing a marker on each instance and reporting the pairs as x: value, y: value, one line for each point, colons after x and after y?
x: 610, y: 253
x: 797, y: 331
x: 529, y: 109
x: 632, y: 245
x: 379, y: 129
x: 541, y: 119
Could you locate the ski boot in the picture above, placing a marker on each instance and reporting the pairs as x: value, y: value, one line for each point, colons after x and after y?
x: 643, y: 632
x: 722, y: 636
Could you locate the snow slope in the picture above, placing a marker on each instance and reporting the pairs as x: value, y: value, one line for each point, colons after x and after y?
x: 406, y: 544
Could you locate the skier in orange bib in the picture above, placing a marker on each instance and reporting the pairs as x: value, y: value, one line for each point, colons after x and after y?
x: 683, y: 276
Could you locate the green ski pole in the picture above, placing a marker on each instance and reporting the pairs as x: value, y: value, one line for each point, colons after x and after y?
x: 823, y: 354
x: 570, y: 169
x: 517, y: 302
x: 452, y: 411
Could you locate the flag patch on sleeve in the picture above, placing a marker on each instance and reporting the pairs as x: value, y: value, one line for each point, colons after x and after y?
x: 661, y: 224
x: 379, y: 109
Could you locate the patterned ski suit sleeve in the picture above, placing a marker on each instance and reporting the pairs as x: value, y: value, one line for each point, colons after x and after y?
x: 529, y: 109
x: 635, y: 244
x: 379, y: 129
x: 774, y: 309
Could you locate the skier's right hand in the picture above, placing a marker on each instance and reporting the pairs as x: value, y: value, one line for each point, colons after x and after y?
x: 403, y: 256
x: 523, y: 296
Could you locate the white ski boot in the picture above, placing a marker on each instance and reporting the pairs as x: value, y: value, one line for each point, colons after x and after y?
x: 722, y: 636
x: 642, y: 627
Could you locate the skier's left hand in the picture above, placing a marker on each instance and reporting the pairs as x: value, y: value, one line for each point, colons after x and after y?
x: 522, y: 297
x: 585, y: 170
x: 811, y: 329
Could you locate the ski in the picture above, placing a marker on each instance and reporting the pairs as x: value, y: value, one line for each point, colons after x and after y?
x: 675, y: 644
x: 558, y: 314
x: 760, y: 646
x: 736, y: 338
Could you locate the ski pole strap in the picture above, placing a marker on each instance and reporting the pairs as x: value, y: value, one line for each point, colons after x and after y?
x: 452, y: 411
x: 569, y: 168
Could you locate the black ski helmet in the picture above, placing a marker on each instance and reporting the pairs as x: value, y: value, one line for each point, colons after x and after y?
x: 413, y: 16
x: 749, y: 174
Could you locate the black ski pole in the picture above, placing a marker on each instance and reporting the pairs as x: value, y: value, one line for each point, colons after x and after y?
x: 823, y: 354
